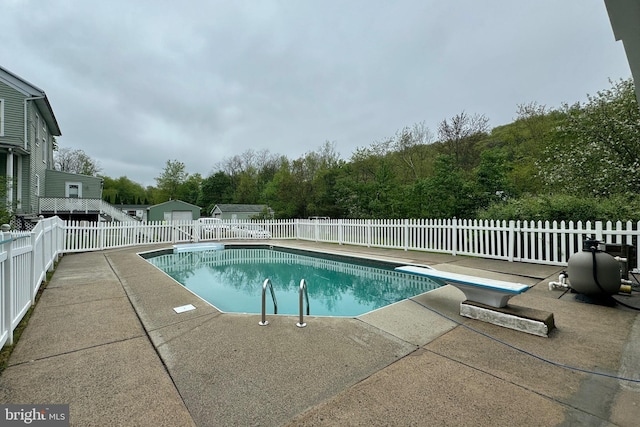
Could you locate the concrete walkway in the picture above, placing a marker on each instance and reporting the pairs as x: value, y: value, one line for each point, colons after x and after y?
x: 105, y: 339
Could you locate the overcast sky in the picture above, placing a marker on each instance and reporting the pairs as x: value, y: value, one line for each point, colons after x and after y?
x: 137, y: 83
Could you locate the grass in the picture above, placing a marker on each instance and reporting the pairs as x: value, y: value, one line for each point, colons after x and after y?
x: 5, y: 352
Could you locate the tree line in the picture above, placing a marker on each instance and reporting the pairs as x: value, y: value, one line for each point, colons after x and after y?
x: 577, y: 161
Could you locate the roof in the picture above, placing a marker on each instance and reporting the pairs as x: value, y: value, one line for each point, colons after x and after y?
x: 32, y: 91
x: 125, y: 206
x: 173, y: 201
x: 240, y: 208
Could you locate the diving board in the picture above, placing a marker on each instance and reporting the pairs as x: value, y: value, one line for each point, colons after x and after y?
x: 491, y: 292
x: 197, y: 247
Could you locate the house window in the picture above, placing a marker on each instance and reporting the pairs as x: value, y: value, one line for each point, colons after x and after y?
x: 37, y: 185
x: 44, y: 150
x: 37, y: 130
x: 1, y: 117
x: 73, y: 190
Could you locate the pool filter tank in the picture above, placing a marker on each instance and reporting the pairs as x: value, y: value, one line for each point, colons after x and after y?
x: 593, y: 272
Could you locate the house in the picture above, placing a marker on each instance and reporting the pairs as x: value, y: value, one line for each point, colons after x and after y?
x: 31, y: 187
x: 27, y: 131
x: 237, y: 211
x: 173, y: 210
x: 72, y: 192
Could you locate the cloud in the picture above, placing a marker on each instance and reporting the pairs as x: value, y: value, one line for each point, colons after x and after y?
x: 135, y: 84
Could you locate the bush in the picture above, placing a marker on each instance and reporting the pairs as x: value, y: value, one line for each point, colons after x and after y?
x: 563, y: 207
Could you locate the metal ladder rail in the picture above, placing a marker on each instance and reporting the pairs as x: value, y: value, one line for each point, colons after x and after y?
x: 265, y: 285
x: 303, y: 290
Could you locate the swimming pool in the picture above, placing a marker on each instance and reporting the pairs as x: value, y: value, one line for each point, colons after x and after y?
x: 231, y: 279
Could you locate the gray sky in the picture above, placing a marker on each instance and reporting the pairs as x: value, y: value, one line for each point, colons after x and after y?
x: 137, y: 83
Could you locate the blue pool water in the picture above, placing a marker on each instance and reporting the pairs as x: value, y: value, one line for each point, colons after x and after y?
x: 231, y: 280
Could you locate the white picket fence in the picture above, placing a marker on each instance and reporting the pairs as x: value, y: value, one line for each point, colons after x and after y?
x: 550, y: 243
x: 26, y: 257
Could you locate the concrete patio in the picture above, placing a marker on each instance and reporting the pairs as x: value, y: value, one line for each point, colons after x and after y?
x: 105, y: 339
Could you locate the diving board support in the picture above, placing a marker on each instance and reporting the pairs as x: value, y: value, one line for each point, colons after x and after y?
x: 487, y: 301
x: 494, y: 293
x: 531, y: 321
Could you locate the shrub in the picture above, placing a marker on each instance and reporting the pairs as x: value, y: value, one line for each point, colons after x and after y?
x: 563, y: 207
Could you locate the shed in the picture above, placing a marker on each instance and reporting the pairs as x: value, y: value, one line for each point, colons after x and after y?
x: 173, y: 210
x: 239, y: 211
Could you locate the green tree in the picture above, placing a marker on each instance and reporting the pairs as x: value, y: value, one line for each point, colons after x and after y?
x: 446, y: 194
x: 214, y: 190
x: 491, y: 182
x: 5, y: 209
x: 189, y: 190
x: 369, y: 186
x: 596, y: 150
x: 282, y: 194
x: 172, y: 177
x: 122, y: 190
x: 247, y: 189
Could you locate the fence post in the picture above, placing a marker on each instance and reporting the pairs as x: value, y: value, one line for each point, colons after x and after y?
x: 454, y: 236
x: 406, y: 235
x: 34, y: 263
x: 598, y: 230
x: 8, y: 283
x: 316, y: 231
x: 196, y: 230
x: 512, y: 239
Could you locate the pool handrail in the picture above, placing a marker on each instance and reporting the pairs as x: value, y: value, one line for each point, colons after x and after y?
x: 267, y: 283
x: 303, y: 289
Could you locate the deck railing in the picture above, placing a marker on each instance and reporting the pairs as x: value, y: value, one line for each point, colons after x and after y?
x: 58, y: 205
x: 25, y: 257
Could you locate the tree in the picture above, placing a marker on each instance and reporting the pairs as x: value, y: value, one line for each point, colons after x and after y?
x: 189, y: 190
x: 246, y: 190
x: 408, y: 142
x: 215, y: 189
x: 446, y: 194
x: 596, y: 151
x: 283, y: 195
x: 75, y: 161
x: 171, y: 178
x: 459, y: 135
x: 491, y: 180
x: 123, y: 190
x: 5, y: 209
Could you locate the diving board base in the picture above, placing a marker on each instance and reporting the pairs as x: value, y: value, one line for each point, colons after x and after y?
x: 523, y: 319
x: 492, y: 297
